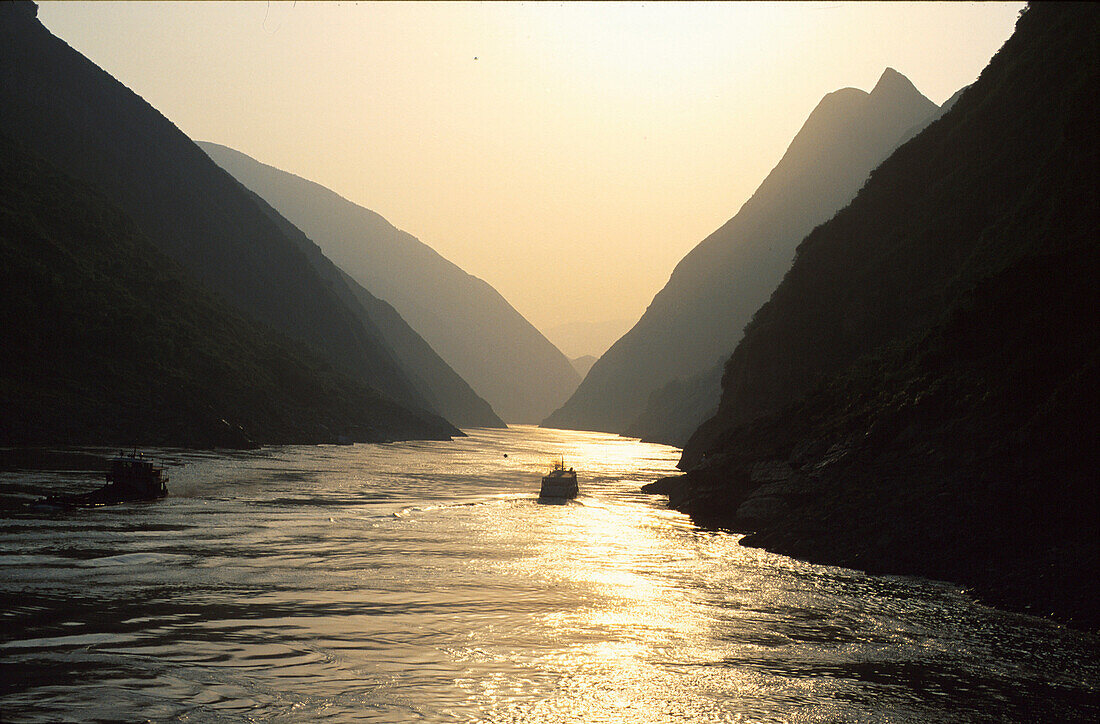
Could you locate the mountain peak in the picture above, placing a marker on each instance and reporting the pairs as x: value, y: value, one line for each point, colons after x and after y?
x: 714, y: 290
x: 894, y: 83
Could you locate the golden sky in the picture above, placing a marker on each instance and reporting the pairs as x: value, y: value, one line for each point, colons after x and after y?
x: 567, y: 153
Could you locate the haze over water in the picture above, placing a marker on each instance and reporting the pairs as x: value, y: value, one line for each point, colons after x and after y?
x: 424, y: 581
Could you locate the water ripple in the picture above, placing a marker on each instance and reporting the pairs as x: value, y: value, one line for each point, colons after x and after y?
x: 424, y: 582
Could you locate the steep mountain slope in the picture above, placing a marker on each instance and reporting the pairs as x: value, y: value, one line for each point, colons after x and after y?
x: 676, y: 410
x: 934, y: 116
x: 920, y: 393
x: 442, y: 388
x: 503, y: 357
x: 90, y: 126
x: 446, y: 392
x: 699, y: 315
x: 109, y: 342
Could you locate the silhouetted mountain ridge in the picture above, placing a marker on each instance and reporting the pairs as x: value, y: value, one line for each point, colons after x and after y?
x: 87, y: 124
x: 107, y: 341
x: 699, y: 315
x: 583, y: 364
x: 920, y: 393
x: 676, y: 410
x: 503, y: 357
x: 442, y: 389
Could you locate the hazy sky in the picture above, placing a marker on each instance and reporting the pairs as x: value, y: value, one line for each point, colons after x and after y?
x: 569, y: 154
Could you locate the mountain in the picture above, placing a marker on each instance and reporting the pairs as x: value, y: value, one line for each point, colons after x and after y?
x: 88, y: 125
x: 503, y: 357
x: 933, y: 116
x: 919, y: 395
x: 445, y: 391
x: 675, y: 411
x: 442, y: 388
x: 583, y: 364
x: 107, y: 341
x: 699, y: 315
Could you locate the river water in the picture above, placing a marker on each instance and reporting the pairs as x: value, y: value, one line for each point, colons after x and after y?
x: 423, y: 581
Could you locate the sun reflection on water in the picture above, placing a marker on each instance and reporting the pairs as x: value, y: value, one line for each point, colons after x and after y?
x: 423, y: 581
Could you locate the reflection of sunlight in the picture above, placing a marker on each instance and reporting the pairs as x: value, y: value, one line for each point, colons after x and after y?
x: 603, y: 456
x: 620, y: 554
x: 422, y: 581
x: 616, y: 553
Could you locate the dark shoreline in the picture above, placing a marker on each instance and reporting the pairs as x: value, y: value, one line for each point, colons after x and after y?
x: 922, y: 528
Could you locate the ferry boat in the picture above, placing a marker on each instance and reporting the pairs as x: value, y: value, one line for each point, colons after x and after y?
x: 560, y: 483
x: 129, y: 478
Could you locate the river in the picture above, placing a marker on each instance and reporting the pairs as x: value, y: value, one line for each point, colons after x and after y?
x: 423, y: 581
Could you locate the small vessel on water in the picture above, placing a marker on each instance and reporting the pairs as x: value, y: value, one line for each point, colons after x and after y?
x: 129, y: 478
x: 560, y: 483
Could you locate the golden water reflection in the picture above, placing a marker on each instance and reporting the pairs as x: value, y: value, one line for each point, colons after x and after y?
x: 632, y: 630
x: 425, y: 582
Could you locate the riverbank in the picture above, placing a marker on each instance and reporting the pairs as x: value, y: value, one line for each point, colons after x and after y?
x: 911, y: 505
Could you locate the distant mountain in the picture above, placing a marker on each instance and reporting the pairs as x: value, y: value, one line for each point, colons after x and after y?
x: 675, y: 411
x: 699, y: 316
x: 503, y: 357
x: 583, y: 364
x: 446, y: 392
x: 85, y: 123
x: 579, y: 339
x: 920, y: 394
x: 933, y: 116
x: 107, y: 341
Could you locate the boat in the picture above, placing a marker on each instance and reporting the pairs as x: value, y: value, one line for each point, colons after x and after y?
x: 559, y: 483
x: 130, y: 478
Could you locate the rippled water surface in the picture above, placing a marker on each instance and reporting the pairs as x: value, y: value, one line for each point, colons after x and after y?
x: 423, y: 581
